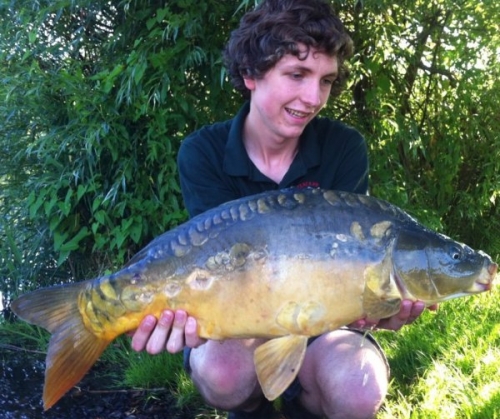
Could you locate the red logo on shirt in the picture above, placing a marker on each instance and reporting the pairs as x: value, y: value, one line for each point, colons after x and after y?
x: 308, y: 184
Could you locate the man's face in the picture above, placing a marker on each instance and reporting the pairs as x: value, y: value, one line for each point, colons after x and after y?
x: 291, y: 94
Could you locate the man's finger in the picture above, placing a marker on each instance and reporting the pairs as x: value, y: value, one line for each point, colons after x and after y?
x: 141, y: 335
x: 175, y: 341
x: 159, y: 337
x: 191, y: 333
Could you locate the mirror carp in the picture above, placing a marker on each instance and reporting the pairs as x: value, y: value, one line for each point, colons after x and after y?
x: 283, y: 265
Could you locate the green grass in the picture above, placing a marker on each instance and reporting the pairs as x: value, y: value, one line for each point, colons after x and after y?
x: 143, y: 371
x: 447, y: 364
x: 163, y: 371
x: 23, y: 336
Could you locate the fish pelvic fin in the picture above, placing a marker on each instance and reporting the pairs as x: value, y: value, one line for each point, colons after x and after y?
x: 73, y: 349
x: 277, y: 363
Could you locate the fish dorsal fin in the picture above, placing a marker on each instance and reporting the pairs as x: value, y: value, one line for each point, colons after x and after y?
x: 277, y: 363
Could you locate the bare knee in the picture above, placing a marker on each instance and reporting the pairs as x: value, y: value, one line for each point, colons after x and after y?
x: 345, y: 376
x: 357, y: 399
x: 224, y: 375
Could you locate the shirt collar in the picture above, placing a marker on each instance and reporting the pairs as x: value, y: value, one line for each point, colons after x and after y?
x: 237, y: 162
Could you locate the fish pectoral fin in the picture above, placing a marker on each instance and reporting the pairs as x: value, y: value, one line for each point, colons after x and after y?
x: 277, y: 363
x: 379, y: 307
x: 381, y: 296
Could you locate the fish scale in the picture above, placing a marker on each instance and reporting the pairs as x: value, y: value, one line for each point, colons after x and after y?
x: 282, y: 265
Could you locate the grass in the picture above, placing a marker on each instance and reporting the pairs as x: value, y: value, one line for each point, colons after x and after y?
x: 446, y: 365
x: 128, y: 369
x: 23, y: 336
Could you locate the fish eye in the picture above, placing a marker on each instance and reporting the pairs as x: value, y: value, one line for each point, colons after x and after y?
x: 456, y: 253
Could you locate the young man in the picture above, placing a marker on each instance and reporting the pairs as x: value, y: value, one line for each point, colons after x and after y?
x: 287, y: 57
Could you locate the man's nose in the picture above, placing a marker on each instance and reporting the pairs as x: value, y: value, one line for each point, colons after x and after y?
x: 312, y: 94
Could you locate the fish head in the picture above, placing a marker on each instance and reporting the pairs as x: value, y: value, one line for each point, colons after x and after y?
x: 431, y: 267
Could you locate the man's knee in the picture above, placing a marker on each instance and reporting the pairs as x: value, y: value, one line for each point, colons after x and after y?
x: 346, y: 376
x: 224, y: 382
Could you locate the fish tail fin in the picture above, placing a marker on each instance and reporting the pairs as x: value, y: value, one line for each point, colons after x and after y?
x: 73, y: 349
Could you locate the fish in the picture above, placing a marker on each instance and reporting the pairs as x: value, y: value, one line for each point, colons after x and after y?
x: 283, y: 265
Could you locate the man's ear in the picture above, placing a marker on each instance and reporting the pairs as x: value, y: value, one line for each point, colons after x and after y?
x: 249, y: 83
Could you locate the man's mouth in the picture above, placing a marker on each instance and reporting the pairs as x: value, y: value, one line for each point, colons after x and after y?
x: 298, y: 114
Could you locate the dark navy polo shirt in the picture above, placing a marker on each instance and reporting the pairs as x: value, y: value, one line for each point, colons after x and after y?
x: 214, y: 166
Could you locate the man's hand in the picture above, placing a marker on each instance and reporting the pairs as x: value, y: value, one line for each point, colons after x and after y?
x: 172, y: 332
x: 409, y: 312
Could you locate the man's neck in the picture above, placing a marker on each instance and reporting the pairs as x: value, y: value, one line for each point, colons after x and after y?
x: 272, y: 158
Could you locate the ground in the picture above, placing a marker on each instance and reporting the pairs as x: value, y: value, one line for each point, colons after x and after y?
x: 21, y: 382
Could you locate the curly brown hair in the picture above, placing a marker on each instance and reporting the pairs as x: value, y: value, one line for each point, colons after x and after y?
x: 275, y: 28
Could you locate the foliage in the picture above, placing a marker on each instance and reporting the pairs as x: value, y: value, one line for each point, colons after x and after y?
x: 99, y: 96
x: 142, y: 371
x: 425, y: 93
x: 23, y: 336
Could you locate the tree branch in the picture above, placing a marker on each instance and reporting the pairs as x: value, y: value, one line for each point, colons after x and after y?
x: 436, y: 70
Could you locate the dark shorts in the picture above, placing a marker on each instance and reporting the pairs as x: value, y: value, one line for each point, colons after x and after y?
x: 295, y: 388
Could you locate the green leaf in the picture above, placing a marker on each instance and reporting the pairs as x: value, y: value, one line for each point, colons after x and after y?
x: 74, y: 242
x: 32, y: 35
x: 39, y: 201
x: 80, y: 191
x: 138, y: 71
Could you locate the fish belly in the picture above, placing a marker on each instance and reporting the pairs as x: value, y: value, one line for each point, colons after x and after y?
x: 291, y: 297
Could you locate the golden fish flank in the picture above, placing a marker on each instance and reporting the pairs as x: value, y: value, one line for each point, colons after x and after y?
x: 297, y: 318
x: 291, y: 264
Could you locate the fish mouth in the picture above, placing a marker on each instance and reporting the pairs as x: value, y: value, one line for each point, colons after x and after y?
x: 492, y: 269
x: 481, y: 287
x: 485, y: 280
